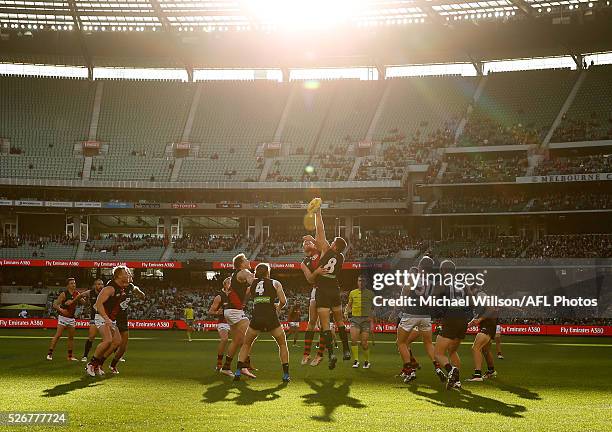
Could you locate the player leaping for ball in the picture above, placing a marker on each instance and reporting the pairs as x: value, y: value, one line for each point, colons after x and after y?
x: 328, y: 289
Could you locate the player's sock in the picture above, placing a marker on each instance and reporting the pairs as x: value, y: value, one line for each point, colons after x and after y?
x: 308, y: 342
x: 115, y: 361
x: 413, y: 360
x: 328, y: 340
x: 50, y: 352
x: 366, y: 354
x: 477, y: 373
x: 355, y: 351
x: 69, y: 353
x: 490, y: 369
x: 286, y: 368
x: 436, y: 364
x: 95, y: 361
x: 219, y: 360
x: 228, y: 362
x: 247, y: 362
x: 321, y: 349
x: 448, y: 367
x: 344, y: 337
x: 101, y: 361
x: 88, y: 345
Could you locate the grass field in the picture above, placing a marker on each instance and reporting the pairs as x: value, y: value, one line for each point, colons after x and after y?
x: 552, y: 384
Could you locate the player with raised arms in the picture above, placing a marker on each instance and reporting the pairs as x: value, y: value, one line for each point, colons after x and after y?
x: 65, y: 305
x: 108, y: 305
x: 312, y: 262
x: 240, y: 281
x: 265, y: 293
x: 325, y: 276
x: 218, y: 306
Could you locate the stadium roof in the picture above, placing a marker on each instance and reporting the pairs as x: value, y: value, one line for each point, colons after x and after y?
x: 297, y: 33
x: 243, y: 15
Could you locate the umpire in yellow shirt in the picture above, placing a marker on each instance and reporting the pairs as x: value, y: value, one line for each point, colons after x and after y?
x: 188, y: 316
x: 359, y: 310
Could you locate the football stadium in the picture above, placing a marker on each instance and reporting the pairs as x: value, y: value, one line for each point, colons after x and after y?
x: 350, y: 215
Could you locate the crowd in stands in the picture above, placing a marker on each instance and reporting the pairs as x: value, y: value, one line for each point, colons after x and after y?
x: 281, y: 244
x: 480, y: 246
x: 398, y: 152
x: 380, y: 246
x: 597, y: 163
x: 36, y: 241
x: 572, y: 245
x: 481, y: 170
x: 113, y: 243
x: 207, y: 243
x: 596, y: 127
x: 480, y: 204
x: 579, y: 201
x: 483, y: 131
x: 335, y: 168
x: 499, y: 203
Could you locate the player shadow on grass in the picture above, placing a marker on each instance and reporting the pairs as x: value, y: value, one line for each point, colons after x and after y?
x: 330, y: 397
x: 240, y: 393
x: 521, y: 392
x: 63, y: 389
x: 465, y: 399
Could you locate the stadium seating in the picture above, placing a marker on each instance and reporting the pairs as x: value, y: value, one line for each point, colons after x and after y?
x: 595, y: 163
x: 517, y: 107
x: 143, y: 117
x: 481, y: 169
x: 36, y: 247
x: 572, y: 246
x: 131, y: 168
x: 590, y: 116
x: 209, y: 247
x: 132, y: 248
x: 40, y: 167
x: 29, y: 109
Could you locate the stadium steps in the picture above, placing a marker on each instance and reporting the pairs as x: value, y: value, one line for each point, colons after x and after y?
x: 176, y: 169
x: 317, y: 139
x: 564, y: 108
x: 355, y: 168
x: 87, y: 163
x: 477, y: 93
x: 80, y: 252
x: 378, y: 113
x: 266, y: 169
x: 258, y: 249
x: 195, y: 102
x: 167, y: 253
x: 440, y: 175
x: 283, y: 119
x: 95, y: 113
x: 430, y: 207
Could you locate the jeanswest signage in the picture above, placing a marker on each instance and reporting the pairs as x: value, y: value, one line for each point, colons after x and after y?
x: 561, y: 178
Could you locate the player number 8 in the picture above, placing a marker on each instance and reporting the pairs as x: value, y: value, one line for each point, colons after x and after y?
x: 331, y: 265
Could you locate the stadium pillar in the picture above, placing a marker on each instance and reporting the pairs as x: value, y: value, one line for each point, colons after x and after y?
x: 259, y: 227
x: 285, y: 72
x: 348, y: 224
x: 579, y: 60
x: 168, y: 225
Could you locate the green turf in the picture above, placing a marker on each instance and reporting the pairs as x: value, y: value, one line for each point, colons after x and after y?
x: 552, y: 384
